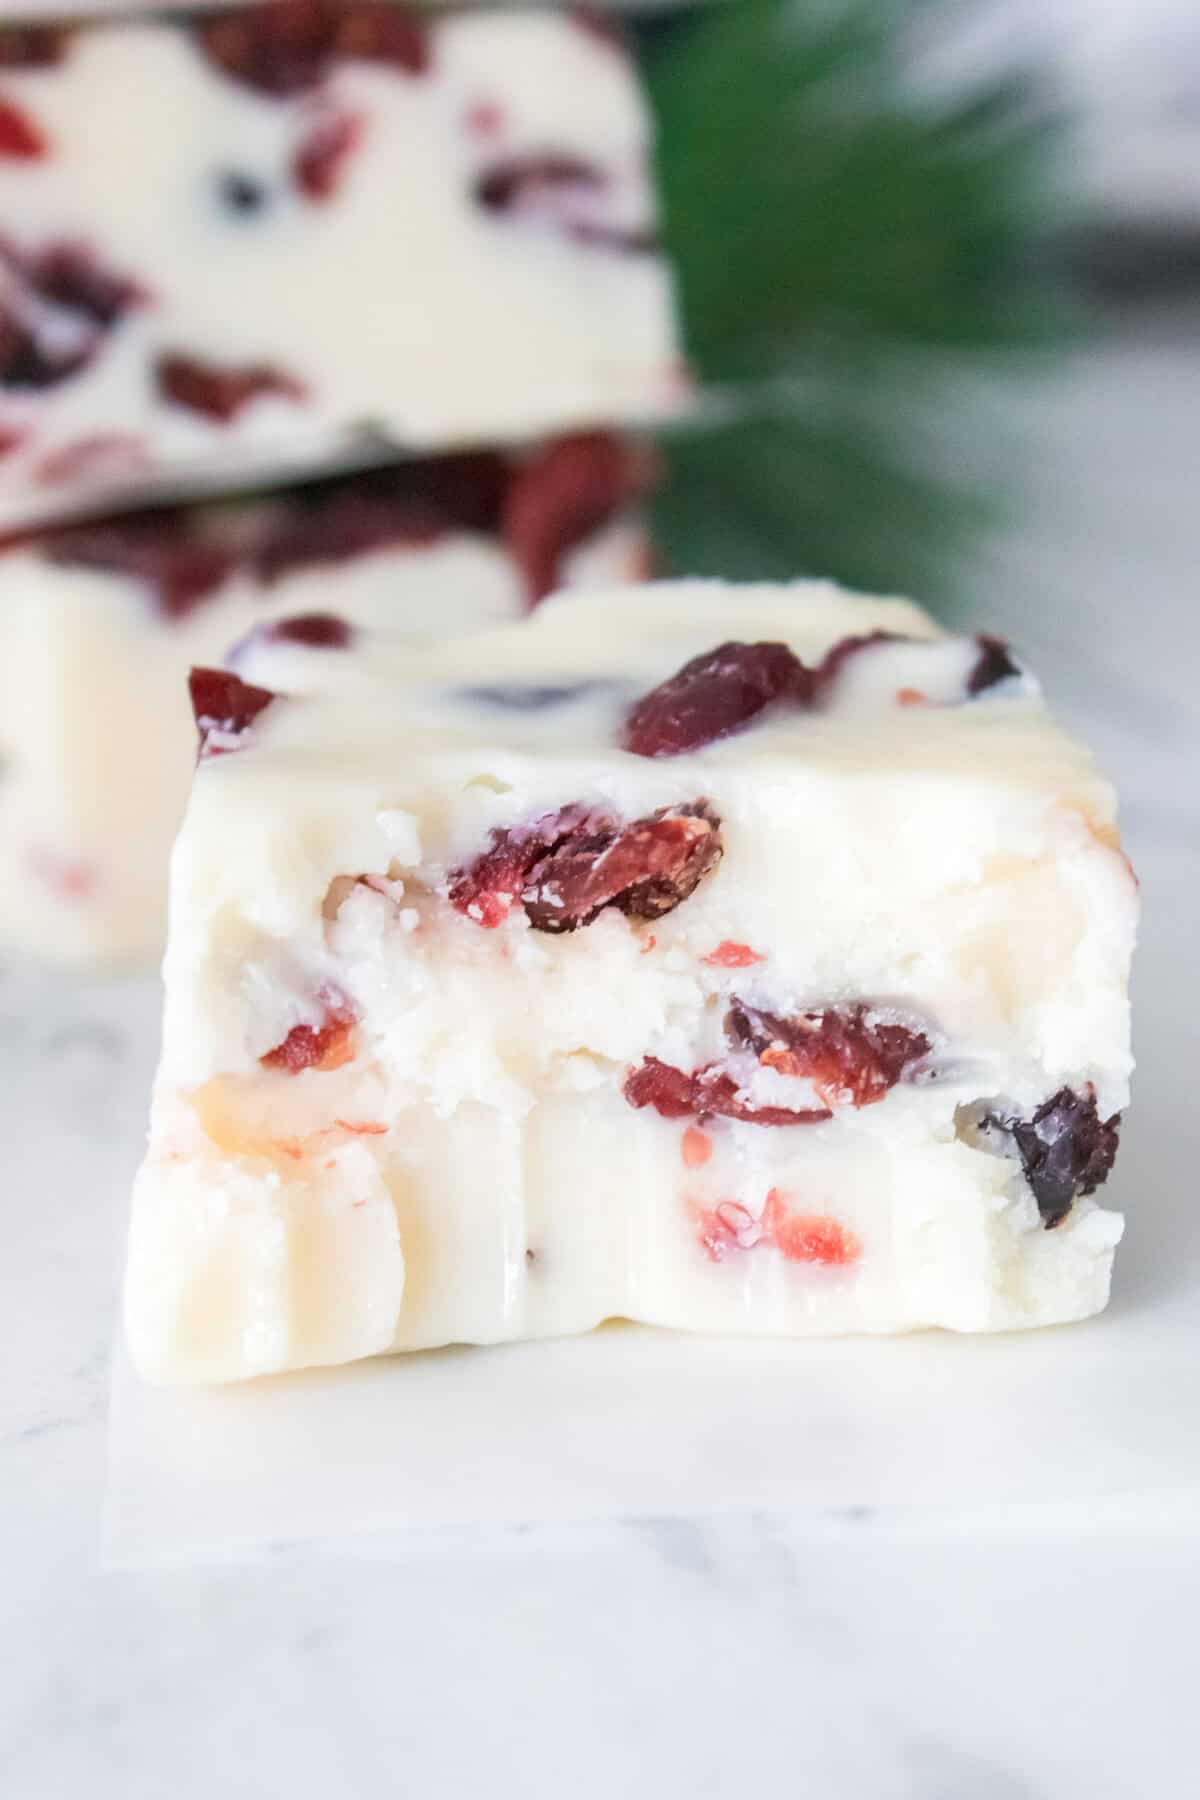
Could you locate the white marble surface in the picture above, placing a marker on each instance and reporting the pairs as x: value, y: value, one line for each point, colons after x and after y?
x: 1008, y: 1653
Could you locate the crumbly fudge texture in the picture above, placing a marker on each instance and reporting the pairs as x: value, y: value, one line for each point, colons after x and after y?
x: 269, y: 236
x: 100, y: 621
x: 728, y: 959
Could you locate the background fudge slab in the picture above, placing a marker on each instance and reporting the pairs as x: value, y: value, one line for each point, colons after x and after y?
x: 291, y: 232
x: 100, y: 621
x: 741, y: 960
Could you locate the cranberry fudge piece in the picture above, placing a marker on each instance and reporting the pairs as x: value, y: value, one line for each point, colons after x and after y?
x: 274, y: 235
x: 100, y: 621
x: 727, y: 959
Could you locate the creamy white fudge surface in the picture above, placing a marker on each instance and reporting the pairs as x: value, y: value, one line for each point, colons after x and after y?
x: 735, y: 959
x: 275, y: 235
x: 99, y: 623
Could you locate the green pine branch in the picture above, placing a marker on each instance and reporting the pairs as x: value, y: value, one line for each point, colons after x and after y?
x: 840, y: 236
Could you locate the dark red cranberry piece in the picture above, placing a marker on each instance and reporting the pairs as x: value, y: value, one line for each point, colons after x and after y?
x: 220, y: 392
x: 713, y: 695
x: 851, y: 1056
x: 706, y: 1093
x: 33, y: 46
x: 329, y: 1045
x: 405, y: 504
x: 69, y: 280
x: 159, y: 547
x: 834, y: 660
x: 567, y: 867
x: 224, y: 707
x: 994, y: 664
x: 1066, y: 1149
x: 320, y: 162
x: 562, y: 190
x: 20, y: 137
x: 317, y: 631
x: 287, y: 47
x: 644, y: 869
x: 563, y: 495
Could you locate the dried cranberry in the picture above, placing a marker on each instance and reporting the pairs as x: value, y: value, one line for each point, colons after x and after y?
x: 329, y: 1045
x: 20, y: 137
x: 319, y: 163
x: 68, y: 280
x: 224, y: 707
x: 563, y: 495
x: 220, y: 392
x: 835, y: 659
x: 33, y: 46
x: 644, y: 869
x: 1066, y: 1149
x: 567, y: 867
x: 317, y: 631
x: 713, y: 695
x: 562, y: 190
x: 807, y: 1237
x: 408, y: 504
x: 993, y: 665
x: 707, y: 1092
x: 852, y: 1057
x: 287, y: 47
x: 159, y: 546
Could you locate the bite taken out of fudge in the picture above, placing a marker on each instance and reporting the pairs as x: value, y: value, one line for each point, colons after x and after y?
x: 286, y: 233
x: 733, y: 959
x: 100, y: 621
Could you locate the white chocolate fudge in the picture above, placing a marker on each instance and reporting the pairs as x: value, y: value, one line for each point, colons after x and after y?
x: 730, y: 959
x: 283, y: 234
x: 100, y: 621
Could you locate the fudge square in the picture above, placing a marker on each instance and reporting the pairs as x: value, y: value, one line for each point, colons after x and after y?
x: 734, y: 959
x: 100, y: 621
x: 274, y: 235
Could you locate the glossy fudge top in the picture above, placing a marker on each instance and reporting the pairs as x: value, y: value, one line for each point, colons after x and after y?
x: 650, y: 682
x: 259, y: 237
x: 539, y: 505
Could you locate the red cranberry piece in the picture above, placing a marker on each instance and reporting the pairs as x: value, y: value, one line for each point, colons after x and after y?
x: 105, y: 456
x: 644, y: 869
x: 713, y: 695
x: 20, y: 137
x: 220, y: 392
x: 320, y: 161
x: 1066, y: 1149
x: 409, y: 504
x: 807, y: 1237
x: 68, y: 280
x: 159, y: 547
x: 707, y: 1092
x: 287, y: 47
x: 850, y: 1056
x: 567, y: 867
x: 561, y: 190
x: 317, y: 631
x: 224, y: 707
x: 835, y: 659
x: 563, y: 495
x: 329, y: 1045
x: 33, y: 46
x: 994, y: 664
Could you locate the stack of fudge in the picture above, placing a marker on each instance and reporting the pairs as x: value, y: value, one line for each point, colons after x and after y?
x: 392, y: 279
x: 727, y: 959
